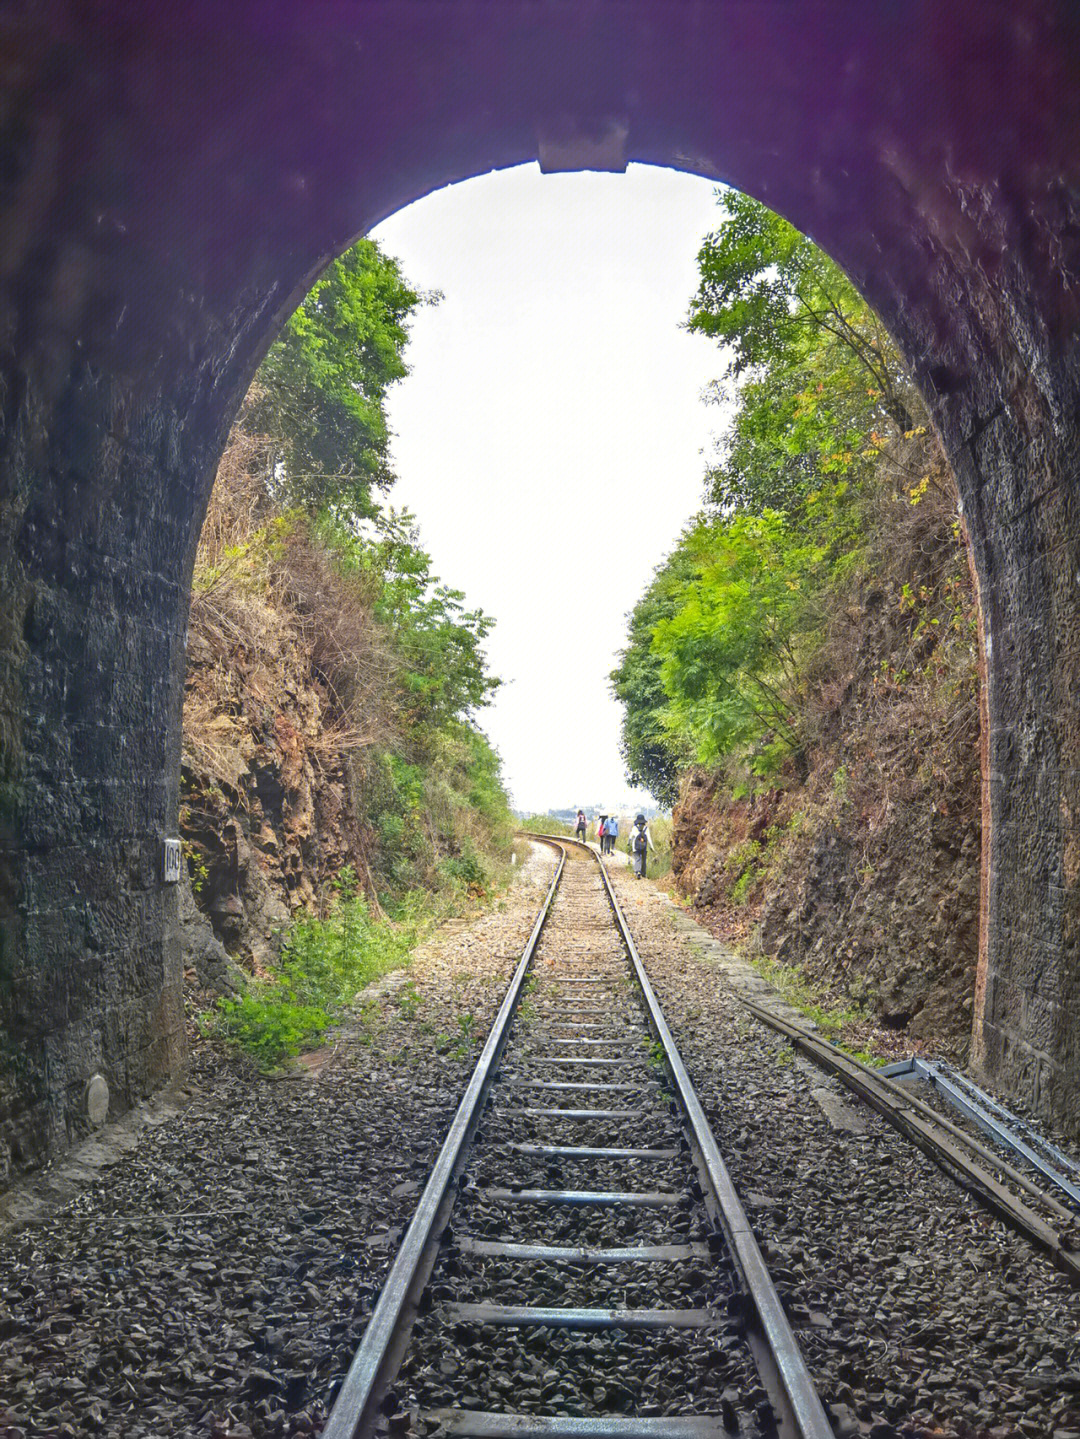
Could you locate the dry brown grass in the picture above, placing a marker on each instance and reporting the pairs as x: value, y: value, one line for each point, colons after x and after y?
x: 347, y: 653
x: 273, y: 621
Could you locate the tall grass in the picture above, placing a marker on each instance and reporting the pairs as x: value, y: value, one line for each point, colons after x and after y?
x: 660, y: 863
x: 545, y: 824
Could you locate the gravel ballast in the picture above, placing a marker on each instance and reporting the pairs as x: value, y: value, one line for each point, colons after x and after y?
x: 919, y: 1312
x: 216, y: 1269
x: 534, y: 1365
x: 216, y: 1277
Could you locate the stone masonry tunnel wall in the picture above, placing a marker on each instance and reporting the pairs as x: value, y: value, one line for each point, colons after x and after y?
x: 175, y: 176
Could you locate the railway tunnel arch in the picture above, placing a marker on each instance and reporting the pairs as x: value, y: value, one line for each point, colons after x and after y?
x: 175, y: 179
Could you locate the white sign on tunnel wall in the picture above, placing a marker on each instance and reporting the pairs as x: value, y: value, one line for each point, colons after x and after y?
x: 171, y: 871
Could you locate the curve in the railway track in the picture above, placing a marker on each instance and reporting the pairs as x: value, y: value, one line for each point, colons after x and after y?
x: 600, y: 1279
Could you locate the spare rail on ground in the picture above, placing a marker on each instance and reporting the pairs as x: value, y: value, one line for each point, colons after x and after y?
x: 942, y: 1141
x: 1004, y: 1127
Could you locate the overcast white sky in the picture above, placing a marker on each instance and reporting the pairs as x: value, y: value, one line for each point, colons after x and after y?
x: 552, y: 437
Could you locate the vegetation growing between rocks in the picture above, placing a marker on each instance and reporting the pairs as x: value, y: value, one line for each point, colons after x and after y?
x: 800, y: 674
x: 324, y: 963
x: 834, y: 1022
x: 337, y: 791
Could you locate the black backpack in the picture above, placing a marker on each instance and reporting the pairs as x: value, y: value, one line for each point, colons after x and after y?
x: 640, y: 842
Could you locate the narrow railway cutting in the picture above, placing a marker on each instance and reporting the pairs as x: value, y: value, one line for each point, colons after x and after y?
x: 579, y: 1263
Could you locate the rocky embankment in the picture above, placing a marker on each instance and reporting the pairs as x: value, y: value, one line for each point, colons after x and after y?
x: 874, y: 896
x: 270, y: 805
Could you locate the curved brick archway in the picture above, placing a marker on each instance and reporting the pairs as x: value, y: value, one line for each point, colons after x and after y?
x: 176, y: 174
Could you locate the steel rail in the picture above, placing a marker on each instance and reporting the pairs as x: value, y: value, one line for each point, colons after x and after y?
x: 1013, y: 1121
x: 804, y: 1402
x: 973, y: 1104
x: 939, y: 1139
x: 375, y: 1361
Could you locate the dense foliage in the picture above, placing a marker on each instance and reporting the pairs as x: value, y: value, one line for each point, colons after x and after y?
x: 648, y: 747
x: 819, y: 385
x: 721, y: 647
x: 432, y: 793
x: 321, y: 387
x: 299, y: 553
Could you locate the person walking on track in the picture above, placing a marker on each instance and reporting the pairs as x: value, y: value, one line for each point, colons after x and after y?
x: 612, y: 832
x: 601, y: 821
x: 579, y: 826
x: 640, y: 844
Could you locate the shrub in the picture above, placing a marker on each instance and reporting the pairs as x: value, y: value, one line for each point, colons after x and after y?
x: 324, y: 965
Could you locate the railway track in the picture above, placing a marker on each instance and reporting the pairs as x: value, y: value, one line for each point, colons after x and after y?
x: 579, y: 1265
x: 993, y: 1181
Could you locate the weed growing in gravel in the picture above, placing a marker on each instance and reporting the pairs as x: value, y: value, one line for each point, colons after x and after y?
x: 789, y: 982
x: 864, y: 1056
x: 324, y: 965
x: 409, y: 1000
x: 444, y: 1043
x: 270, y: 1029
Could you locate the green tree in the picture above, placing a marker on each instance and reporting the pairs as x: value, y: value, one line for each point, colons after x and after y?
x: 764, y: 286
x: 442, y: 669
x: 647, y: 745
x: 732, y: 652
x: 321, y: 389
x: 819, y: 385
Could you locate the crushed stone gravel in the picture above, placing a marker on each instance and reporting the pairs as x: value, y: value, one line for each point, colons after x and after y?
x: 542, y: 1368
x: 216, y: 1276
x: 214, y: 1273
x: 921, y: 1315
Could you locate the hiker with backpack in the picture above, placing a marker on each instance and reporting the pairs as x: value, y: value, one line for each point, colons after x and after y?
x: 611, y: 832
x: 579, y: 825
x: 640, y: 844
x: 601, y: 823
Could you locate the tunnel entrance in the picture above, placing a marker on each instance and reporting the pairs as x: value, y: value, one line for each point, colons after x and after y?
x: 175, y: 181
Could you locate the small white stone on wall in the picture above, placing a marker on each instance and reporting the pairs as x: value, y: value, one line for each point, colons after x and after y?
x: 97, y: 1101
